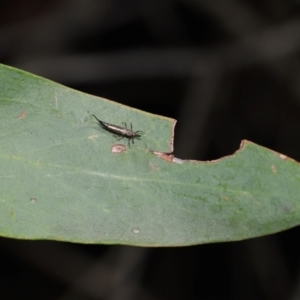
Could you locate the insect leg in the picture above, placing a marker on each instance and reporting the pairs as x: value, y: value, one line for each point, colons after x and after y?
x: 118, y: 137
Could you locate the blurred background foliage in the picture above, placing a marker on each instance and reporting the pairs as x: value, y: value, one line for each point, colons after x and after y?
x: 226, y: 70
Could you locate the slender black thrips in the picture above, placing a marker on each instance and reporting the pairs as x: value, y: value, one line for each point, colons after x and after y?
x: 121, y: 131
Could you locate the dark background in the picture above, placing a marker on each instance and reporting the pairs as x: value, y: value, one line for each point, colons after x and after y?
x: 227, y: 70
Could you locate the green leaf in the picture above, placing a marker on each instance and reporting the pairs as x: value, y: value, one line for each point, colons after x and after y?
x: 60, y: 180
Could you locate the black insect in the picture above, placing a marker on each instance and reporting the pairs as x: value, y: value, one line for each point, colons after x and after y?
x: 121, y: 132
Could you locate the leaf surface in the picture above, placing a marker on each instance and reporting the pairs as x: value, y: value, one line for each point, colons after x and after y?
x: 60, y: 180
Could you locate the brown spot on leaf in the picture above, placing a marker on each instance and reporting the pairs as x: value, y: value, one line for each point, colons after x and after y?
x: 273, y: 168
x: 164, y: 156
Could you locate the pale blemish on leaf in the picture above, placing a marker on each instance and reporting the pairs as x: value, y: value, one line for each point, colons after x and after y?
x: 12, y: 213
x: 273, y: 168
x: 56, y: 101
x: 118, y: 148
x: 282, y: 156
x: 33, y: 200
x: 22, y: 115
x: 153, y: 167
x: 92, y: 137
